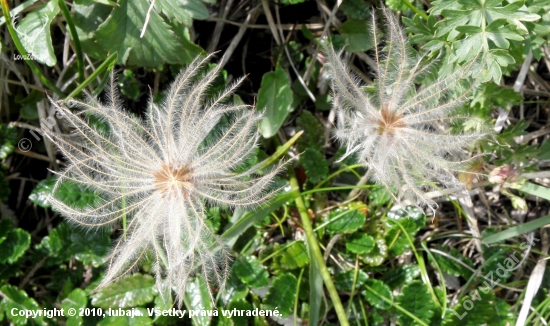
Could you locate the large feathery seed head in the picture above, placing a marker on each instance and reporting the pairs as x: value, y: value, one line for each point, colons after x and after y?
x: 160, y: 173
x: 399, y: 131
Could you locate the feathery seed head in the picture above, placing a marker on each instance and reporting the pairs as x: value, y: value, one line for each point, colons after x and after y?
x: 400, y: 132
x: 161, y: 173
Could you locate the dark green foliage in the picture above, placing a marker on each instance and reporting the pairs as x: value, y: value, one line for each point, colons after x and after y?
x: 282, y: 294
x: 46, y: 261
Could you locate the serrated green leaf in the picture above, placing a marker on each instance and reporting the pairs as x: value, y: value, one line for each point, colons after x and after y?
x: 417, y: 300
x: 275, y: 96
x: 450, y: 266
x: 69, y: 193
x: 89, y: 247
x: 314, y: 136
x: 8, y: 139
x: 381, y: 289
x: 357, y: 35
x: 315, y: 165
x: 346, y: 219
x: 360, y: 243
x: 344, y: 281
x: 121, y: 33
x: 198, y: 300
x: 235, y: 289
x: 133, y: 317
x: 41, y: 193
x: 35, y: 35
x: 183, y: 10
x: 356, y: 9
x: 282, y: 294
x: 400, y: 275
x: 14, y: 246
x: 477, y: 312
x: 239, y: 305
x: 14, y: 298
x: 251, y: 272
x: 131, y: 291
x: 399, y: 243
x: 77, y: 299
x: 294, y: 256
x: 378, y: 254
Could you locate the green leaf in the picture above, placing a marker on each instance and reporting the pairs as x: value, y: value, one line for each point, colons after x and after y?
x: 517, y: 230
x: 133, y: 317
x: 121, y: 33
x: 315, y: 165
x: 183, y: 10
x: 8, y: 139
x: 417, y: 300
x: 357, y: 35
x: 314, y: 136
x: 128, y: 84
x: 19, y: 300
x: 89, y: 247
x: 5, y: 228
x: 378, y: 254
x: 35, y: 35
x: 400, y: 275
x: 76, y: 300
x: 346, y: 219
x: 535, y: 190
x: 251, y: 272
x: 41, y: 193
x: 235, y: 289
x: 399, y: 243
x: 275, y: 96
x: 356, y: 9
x: 131, y: 291
x: 294, y: 256
x: 344, y: 281
x: 478, y: 312
x: 70, y: 193
x: 381, y: 289
x: 282, y: 294
x: 14, y: 246
x: 360, y: 243
x: 197, y: 299
x: 451, y: 266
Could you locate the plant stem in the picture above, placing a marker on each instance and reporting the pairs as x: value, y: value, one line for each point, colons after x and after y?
x: 416, y: 10
x: 76, y: 40
x: 24, y: 53
x: 316, y: 251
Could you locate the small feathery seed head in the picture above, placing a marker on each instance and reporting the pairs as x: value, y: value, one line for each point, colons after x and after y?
x: 400, y: 132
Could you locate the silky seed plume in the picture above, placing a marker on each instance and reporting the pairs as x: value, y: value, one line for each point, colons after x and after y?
x: 401, y: 133
x: 160, y: 173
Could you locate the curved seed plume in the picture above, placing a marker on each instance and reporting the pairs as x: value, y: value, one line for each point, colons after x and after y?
x: 399, y: 132
x: 160, y: 172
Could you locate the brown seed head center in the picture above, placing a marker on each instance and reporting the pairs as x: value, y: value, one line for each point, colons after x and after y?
x: 389, y: 121
x: 171, y: 178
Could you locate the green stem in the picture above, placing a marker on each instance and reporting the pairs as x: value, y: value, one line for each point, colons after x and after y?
x: 24, y: 53
x: 106, y: 64
x: 344, y: 169
x: 338, y: 188
x: 316, y: 251
x: 76, y: 40
x: 416, y: 10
